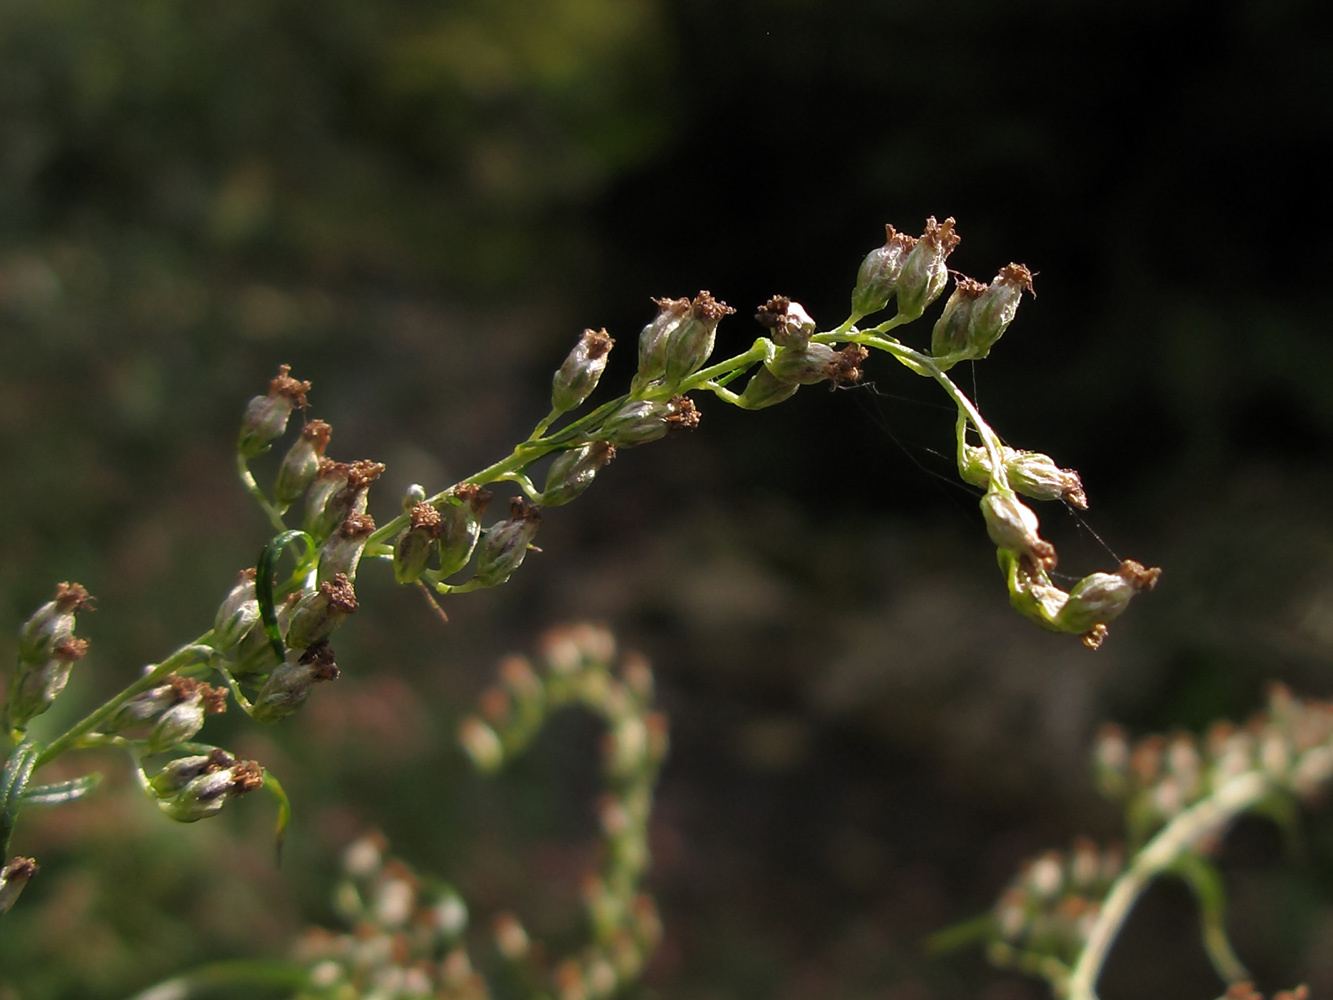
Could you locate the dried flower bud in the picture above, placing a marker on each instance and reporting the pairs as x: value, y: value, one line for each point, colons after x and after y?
x: 950, y: 335
x: 13, y: 877
x: 413, y: 495
x: 339, y: 491
x: 638, y: 422
x: 181, y: 771
x: 765, y: 389
x: 205, y: 795
x: 301, y: 462
x: 185, y: 715
x: 1100, y: 597
x: 266, y: 416
x: 510, y: 937
x: 341, y: 553
x: 415, y: 543
x: 654, y: 337
x: 1013, y: 526
x: 1029, y: 472
x: 237, y: 613
x: 691, y: 342
x: 35, y: 687
x: 877, y: 278
x: 925, y: 273
x: 481, y: 744
x: 289, y: 686
x: 254, y: 653
x: 572, y: 472
x: 318, y: 614
x: 506, y: 543
x: 447, y: 916
x: 144, y: 707
x: 845, y: 368
x: 994, y: 310
x: 53, y: 623
x: 626, y: 747
x: 330, y: 477
x: 581, y: 371
x: 803, y: 365
x: 461, y: 526
x: 790, y: 324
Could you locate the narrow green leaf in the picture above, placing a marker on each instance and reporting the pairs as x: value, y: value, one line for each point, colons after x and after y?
x: 268, y: 563
x: 13, y: 780
x: 1203, y: 877
x: 284, y: 812
x: 59, y: 792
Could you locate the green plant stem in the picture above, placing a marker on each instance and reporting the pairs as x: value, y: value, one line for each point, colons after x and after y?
x: 248, y: 480
x: 263, y: 974
x: 70, y: 738
x: 1159, y: 855
x: 925, y: 365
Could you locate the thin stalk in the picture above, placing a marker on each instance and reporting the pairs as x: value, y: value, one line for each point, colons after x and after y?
x: 88, y: 723
x: 248, y: 480
x: 1159, y: 855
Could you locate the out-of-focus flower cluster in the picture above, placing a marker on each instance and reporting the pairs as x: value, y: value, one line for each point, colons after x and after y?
x: 404, y: 939
x: 1246, y: 991
x: 577, y: 666
x: 1059, y: 916
x: 1043, y: 918
x: 1158, y: 777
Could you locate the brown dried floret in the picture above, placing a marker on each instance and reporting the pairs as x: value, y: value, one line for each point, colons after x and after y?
x: 341, y: 595
x: 356, y: 526
x: 424, y: 517
x: 771, y: 313
x: 247, y: 775
x: 70, y: 650
x: 845, y: 368
x: 318, y: 433
x: 73, y: 597
x: 684, y: 416
x: 1018, y: 274
x: 942, y: 234
x: 708, y: 309
x: 319, y: 657
x: 362, y: 472
x: 285, y: 385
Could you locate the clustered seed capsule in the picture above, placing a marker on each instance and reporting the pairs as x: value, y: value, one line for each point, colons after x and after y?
x: 460, y: 526
x: 506, y: 543
x: 301, y: 463
x: 572, y: 471
x: 575, y: 666
x: 416, y: 543
x: 690, y: 343
x: 1029, y: 472
x: 925, y: 273
x: 578, y: 376
x: 47, y: 652
x: 266, y: 416
x: 877, y: 279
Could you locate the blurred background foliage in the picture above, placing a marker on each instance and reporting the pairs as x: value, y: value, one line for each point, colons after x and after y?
x: 419, y: 205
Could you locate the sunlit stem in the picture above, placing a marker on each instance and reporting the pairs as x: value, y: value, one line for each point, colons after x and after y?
x: 248, y: 480
x: 71, y: 737
x: 1160, y: 854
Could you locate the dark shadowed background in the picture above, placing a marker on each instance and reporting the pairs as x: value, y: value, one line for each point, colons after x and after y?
x: 420, y: 205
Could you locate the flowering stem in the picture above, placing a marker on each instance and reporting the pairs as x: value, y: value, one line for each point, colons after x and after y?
x: 70, y: 738
x: 1159, y: 855
x: 248, y: 480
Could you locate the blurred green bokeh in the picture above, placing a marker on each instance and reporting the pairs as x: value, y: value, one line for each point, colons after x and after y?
x: 419, y: 205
